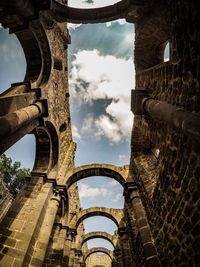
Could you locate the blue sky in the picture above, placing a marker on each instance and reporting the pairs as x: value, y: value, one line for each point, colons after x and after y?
x: 101, y: 79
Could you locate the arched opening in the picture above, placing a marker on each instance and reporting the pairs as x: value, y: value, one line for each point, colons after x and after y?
x: 85, y: 171
x: 99, y: 223
x: 47, y: 149
x: 99, y: 250
x: 112, y: 239
x: 115, y: 215
x: 99, y: 242
x: 25, y: 57
x: 16, y: 164
x: 90, y: 4
x: 100, y: 191
x: 166, y: 53
x: 23, y: 151
x: 109, y: 12
x: 13, y: 62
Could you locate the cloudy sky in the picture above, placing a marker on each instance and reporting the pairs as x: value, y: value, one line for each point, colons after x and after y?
x: 101, y: 79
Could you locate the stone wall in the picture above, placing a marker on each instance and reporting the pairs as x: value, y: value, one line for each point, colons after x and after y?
x: 98, y: 260
x: 161, y: 222
x: 173, y: 207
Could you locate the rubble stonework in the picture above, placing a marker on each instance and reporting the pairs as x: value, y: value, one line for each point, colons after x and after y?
x: 159, y: 225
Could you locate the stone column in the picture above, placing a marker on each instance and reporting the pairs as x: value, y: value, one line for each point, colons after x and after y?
x: 67, y: 247
x: 178, y: 118
x: 72, y: 255
x: 19, y: 114
x: 124, y: 244
x: 45, y: 230
x: 118, y: 256
x: 144, y: 238
x: 20, y: 227
x: 12, y: 122
x: 77, y: 260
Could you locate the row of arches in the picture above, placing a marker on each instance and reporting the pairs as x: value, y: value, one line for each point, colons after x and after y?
x: 39, y: 65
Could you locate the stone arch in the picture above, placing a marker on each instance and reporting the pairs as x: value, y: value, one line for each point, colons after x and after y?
x: 93, y: 15
x: 99, y: 249
x: 37, y: 53
x: 47, y: 149
x: 116, y: 215
x: 118, y: 173
x: 92, y: 235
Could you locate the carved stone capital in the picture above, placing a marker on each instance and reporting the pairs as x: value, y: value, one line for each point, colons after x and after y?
x: 78, y: 253
x: 138, y: 97
x: 72, y: 232
x: 129, y: 188
x: 117, y: 252
x: 122, y: 231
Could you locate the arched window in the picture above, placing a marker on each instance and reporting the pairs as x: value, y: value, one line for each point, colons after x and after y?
x: 166, y: 52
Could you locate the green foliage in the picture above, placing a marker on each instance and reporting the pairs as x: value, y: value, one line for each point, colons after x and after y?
x: 12, y: 173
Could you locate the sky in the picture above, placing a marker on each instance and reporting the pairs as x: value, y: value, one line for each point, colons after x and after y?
x: 101, y: 78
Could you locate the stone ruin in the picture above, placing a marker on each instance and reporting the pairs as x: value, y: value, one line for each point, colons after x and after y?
x: 160, y: 222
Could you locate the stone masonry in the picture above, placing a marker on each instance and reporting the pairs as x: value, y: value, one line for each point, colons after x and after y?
x: 160, y: 222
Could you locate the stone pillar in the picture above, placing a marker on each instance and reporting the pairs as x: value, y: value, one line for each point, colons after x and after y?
x: 118, y: 256
x: 19, y: 116
x: 178, y: 118
x: 45, y: 231
x: 67, y: 247
x: 11, y: 122
x: 144, y: 238
x: 72, y: 256
x: 77, y: 260
x: 124, y: 244
x: 20, y: 227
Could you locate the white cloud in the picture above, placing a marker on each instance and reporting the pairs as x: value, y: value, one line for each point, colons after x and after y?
x: 108, y: 76
x: 88, y: 124
x: 113, y: 182
x: 86, y: 191
x: 75, y: 132
x: 96, y: 3
x: 104, y: 77
x: 106, y: 127
x: 73, y: 26
x: 120, y: 21
x: 122, y: 157
x: 117, y: 197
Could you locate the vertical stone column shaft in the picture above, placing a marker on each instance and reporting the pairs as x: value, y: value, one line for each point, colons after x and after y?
x: 45, y: 231
x: 20, y: 227
x: 67, y: 248
x: 124, y: 245
x: 149, y: 249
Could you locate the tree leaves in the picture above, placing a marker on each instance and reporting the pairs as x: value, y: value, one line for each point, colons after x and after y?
x: 12, y: 174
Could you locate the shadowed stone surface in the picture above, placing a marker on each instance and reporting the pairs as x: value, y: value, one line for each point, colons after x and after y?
x: 159, y: 225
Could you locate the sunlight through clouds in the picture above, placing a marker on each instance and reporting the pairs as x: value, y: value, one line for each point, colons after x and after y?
x: 96, y: 77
